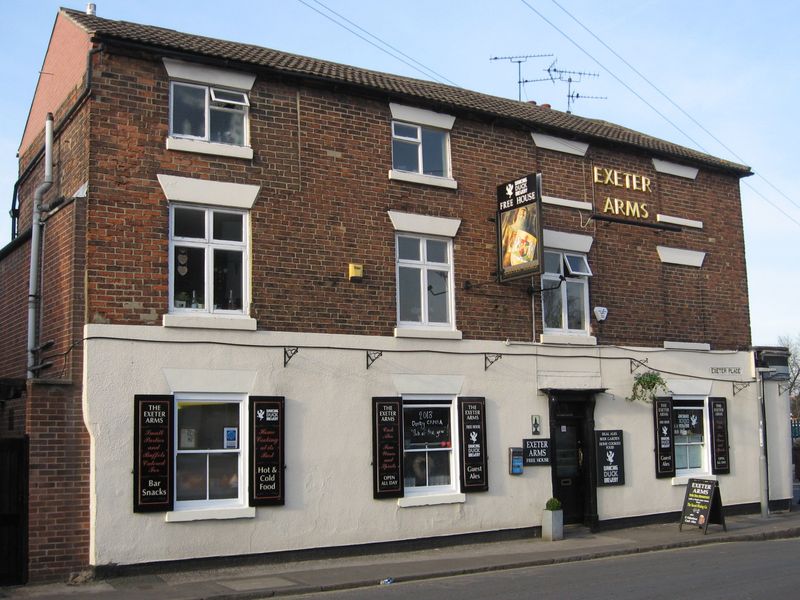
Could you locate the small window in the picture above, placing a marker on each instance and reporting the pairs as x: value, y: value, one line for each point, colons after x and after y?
x: 208, y: 455
x: 420, y: 149
x: 689, y: 431
x: 428, y: 447
x: 565, y: 304
x: 424, y: 282
x: 209, y: 253
x: 209, y: 113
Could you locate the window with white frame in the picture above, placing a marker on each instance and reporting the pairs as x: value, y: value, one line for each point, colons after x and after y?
x: 689, y: 431
x: 209, y: 113
x: 208, y: 260
x: 428, y: 446
x: 209, y: 462
x: 565, y: 295
x: 420, y: 149
x: 424, y: 281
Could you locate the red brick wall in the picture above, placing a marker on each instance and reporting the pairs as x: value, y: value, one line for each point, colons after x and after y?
x: 13, y: 311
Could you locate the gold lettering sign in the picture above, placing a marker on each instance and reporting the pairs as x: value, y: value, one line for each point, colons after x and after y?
x: 628, y: 181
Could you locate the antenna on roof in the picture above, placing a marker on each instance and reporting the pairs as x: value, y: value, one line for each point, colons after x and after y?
x: 519, y: 60
x: 569, y: 77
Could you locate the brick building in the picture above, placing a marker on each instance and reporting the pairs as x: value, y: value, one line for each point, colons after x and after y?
x: 285, y: 305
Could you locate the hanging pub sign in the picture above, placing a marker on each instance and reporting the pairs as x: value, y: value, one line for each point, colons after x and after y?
x: 665, y: 452
x: 472, y: 422
x: 152, y: 453
x: 519, y: 227
x: 387, y: 447
x: 266, y: 450
x: 536, y: 452
x: 702, y: 505
x: 610, y: 457
x: 720, y: 454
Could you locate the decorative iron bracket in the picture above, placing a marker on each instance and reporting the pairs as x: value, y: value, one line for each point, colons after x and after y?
x: 372, y: 356
x: 635, y: 364
x: 738, y: 387
x: 490, y: 359
x: 288, y: 353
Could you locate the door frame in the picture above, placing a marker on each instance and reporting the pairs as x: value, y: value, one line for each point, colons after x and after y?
x: 578, y: 407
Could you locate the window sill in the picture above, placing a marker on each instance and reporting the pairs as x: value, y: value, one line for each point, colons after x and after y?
x: 431, y: 500
x: 684, y: 479
x: 444, y: 182
x: 575, y: 340
x: 210, y: 514
x: 202, y: 147
x: 431, y: 334
x: 238, y: 323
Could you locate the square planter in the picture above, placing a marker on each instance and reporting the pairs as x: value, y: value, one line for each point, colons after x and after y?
x: 552, y: 525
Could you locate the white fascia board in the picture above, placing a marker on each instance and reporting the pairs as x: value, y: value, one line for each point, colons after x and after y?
x: 689, y: 387
x: 558, y: 144
x: 566, y: 203
x: 679, y: 221
x: 407, y: 384
x: 671, y: 168
x: 421, y: 116
x: 424, y: 224
x: 574, y: 242
x: 679, y: 256
x: 187, y: 71
x: 210, y: 193
x: 209, y: 381
x: 686, y: 346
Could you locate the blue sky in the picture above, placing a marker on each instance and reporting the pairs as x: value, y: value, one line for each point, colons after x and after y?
x: 729, y: 66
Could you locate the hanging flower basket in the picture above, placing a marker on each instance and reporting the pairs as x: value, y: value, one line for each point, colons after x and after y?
x: 646, y: 386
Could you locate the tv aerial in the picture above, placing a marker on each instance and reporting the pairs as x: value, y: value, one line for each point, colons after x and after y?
x: 569, y: 77
x: 519, y: 60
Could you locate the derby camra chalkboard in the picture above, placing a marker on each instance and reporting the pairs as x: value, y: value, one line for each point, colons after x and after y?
x: 610, y: 457
x: 702, y: 505
x: 153, y: 451
x: 387, y: 448
x: 266, y: 450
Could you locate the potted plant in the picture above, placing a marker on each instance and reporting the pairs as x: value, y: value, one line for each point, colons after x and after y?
x: 553, y: 521
x: 646, y: 386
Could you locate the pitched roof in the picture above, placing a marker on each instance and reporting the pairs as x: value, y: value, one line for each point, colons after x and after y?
x: 536, y: 117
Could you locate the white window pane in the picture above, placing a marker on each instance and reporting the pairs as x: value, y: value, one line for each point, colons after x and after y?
x: 230, y: 97
x: 434, y: 152
x: 577, y: 264
x: 189, y: 223
x: 188, y: 110
x: 408, y: 248
x: 681, y: 457
x: 551, y: 304
x: 410, y: 293
x: 415, y: 469
x: 227, y: 127
x: 552, y: 263
x: 228, y: 226
x: 437, y: 296
x: 208, y: 421
x: 695, y: 456
x: 439, y: 468
x: 575, y: 305
x: 189, y: 271
x: 228, y: 279
x: 436, y: 251
x: 223, y: 476
x: 405, y: 156
x: 405, y: 131
x: 191, y: 483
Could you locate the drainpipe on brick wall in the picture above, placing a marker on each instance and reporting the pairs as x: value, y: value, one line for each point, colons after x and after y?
x: 36, y: 242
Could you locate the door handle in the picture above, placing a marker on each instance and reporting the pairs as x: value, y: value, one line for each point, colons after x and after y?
x: 566, y: 482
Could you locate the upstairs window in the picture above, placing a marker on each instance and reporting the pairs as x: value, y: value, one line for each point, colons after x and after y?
x: 208, y: 257
x: 208, y: 113
x: 424, y: 282
x: 418, y: 149
x: 565, y: 304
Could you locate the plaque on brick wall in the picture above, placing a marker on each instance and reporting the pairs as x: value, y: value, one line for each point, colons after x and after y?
x: 266, y: 450
x: 153, y: 453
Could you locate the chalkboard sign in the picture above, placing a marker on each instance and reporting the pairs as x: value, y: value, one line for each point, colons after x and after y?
x: 702, y: 505
x: 387, y: 447
x: 426, y: 427
x: 266, y: 450
x: 665, y: 451
x: 472, y: 422
x: 610, y: 457
x: 720, y: 455
x: 537, y: 453
x: 152, y: 453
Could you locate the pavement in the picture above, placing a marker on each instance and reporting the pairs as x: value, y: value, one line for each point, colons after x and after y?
x: 301, y: 577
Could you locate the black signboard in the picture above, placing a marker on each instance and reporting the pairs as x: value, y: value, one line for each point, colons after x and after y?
x: 472, y: 423
x: 152, y: 453
x: 426, y: 427
x: 702, y: 505
x: 536, y: 452
x: 266, y: 450
x: 720, y: 455
x: 665, y: 451
x: 387, y: 447
x: 519, y: 227
x: 610, y: 457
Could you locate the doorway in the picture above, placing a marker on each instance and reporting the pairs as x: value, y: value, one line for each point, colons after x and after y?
x: 13, y: 510
x: 574, y: 480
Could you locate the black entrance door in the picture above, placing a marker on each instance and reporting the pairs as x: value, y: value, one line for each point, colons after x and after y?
x: 13, y: 510
x: 568, y: 467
